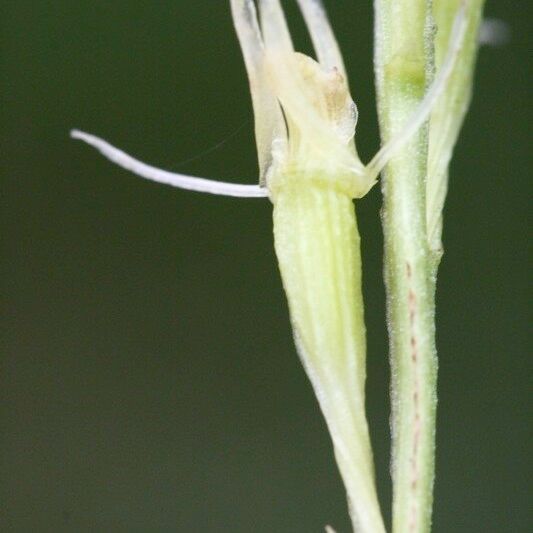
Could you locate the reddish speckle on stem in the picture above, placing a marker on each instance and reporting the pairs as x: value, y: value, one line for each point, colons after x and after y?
x: 412, y: 306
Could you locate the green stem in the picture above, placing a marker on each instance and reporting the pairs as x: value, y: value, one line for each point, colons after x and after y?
x: 317, y: 245
x: 403, y: 61
x: 410, y: 303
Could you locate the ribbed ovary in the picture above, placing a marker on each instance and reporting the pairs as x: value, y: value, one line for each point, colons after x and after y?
x: 318, y: 248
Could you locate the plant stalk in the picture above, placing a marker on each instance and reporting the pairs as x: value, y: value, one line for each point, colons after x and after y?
x: 404, y: 68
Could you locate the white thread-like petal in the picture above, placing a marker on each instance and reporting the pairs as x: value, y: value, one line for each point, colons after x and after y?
x: 269, y: 124
x: 421, y: 114
x: 324, y: 42
x: 170, y: 178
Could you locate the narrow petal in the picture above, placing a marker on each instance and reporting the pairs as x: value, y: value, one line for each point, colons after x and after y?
x: 162, y: 176
x: 274, y: 26
x: 324, y: 42
x: 269, y: 124
x: 420, y: 115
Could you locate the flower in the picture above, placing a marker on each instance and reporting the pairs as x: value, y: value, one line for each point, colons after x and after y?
x: 304, y: 115
x: 305, y: 122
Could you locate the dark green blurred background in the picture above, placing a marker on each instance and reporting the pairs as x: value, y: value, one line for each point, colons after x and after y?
x: 148, y: 379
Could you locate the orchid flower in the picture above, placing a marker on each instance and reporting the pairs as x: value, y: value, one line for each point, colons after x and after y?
x: 309, y: 168
x: 304, y: 115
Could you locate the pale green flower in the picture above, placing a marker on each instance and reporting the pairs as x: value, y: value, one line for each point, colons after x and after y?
x: 305, y: 123
x: 304, y: 116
